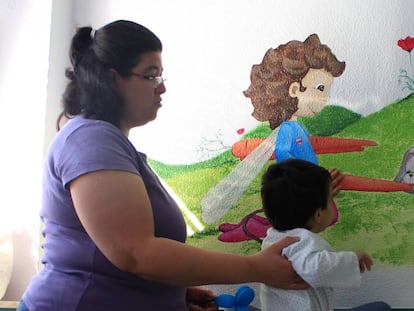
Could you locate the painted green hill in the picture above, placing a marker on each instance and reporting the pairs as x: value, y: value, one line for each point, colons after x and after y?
x: 380, y: 223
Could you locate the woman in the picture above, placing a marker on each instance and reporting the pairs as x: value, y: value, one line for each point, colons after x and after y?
x: 114, y: 238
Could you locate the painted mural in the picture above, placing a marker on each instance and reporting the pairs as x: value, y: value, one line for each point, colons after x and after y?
x: 290, y: 97
x: 293, y: 80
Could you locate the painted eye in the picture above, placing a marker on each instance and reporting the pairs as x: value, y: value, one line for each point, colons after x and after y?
x: 320, y: 87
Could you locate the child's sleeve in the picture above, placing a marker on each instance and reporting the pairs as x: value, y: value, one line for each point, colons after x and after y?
x: 320, y: 266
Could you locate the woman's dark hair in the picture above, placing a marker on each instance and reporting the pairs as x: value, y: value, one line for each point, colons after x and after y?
x: 292, y: 190
x: 91, y: 91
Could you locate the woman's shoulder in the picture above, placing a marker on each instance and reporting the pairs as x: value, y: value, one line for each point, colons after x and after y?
x: 81, y: 131
x: 80, y: 123
x: 85, y: 145
x: 90, y: 137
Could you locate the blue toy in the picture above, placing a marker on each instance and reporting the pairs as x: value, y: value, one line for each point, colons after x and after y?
x: 240, y: 302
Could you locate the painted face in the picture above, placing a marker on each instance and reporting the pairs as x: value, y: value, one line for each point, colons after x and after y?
x: 141, y: 91
x: 311, y: 101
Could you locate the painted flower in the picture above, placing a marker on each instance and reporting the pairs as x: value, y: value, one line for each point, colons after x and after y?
x: 406, y: 44
x: 404, y: 77
x: 240, y: 131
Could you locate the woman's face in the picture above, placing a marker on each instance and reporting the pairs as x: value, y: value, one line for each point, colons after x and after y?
x: 140, y: 91
x: 311, y: 101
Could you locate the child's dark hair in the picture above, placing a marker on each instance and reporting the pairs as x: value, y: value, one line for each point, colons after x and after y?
x: 292, y: 191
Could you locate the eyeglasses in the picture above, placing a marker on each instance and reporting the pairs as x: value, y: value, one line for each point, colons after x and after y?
x: 156, y: 81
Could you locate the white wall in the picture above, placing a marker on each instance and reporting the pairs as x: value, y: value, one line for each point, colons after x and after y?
x: 210, y: 46
x: 24, y: 50
x: 61, y: 31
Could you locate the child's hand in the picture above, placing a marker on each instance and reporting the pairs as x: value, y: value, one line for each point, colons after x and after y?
x: 365, y: 261
x: 200, y: 299
x: 337, y: 177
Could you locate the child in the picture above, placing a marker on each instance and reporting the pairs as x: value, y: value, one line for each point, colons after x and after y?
x: 296, y: 198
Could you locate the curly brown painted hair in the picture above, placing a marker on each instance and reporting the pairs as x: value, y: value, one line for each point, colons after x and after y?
x: 280, y: 67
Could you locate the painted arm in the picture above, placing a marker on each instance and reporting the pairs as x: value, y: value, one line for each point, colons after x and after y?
x: 328, y: 144
x: 360, y: 183
x: 320, y: 144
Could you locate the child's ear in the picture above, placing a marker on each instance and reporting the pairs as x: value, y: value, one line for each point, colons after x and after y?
x: 314, y: 220
x: 317, y: 215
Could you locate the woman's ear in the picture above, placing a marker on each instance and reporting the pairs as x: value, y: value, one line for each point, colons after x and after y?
x: 114, y: 76
x: 294, y: 88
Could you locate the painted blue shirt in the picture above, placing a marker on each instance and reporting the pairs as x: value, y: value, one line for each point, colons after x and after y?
x: 293, y: 142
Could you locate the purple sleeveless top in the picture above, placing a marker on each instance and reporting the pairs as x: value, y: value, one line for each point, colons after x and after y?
x: 75, y: 274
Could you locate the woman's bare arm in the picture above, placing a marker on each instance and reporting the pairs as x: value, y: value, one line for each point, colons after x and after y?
x: 115, y: 210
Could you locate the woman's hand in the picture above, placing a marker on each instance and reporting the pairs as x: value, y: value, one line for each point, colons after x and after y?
x: 200, y: 299
x: 337, y: 177
x: 275, y: 269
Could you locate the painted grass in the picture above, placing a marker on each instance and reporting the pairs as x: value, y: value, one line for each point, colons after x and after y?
x: 380, y: 223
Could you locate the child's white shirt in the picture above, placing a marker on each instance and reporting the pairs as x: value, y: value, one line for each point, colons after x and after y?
x: 318, y: 264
